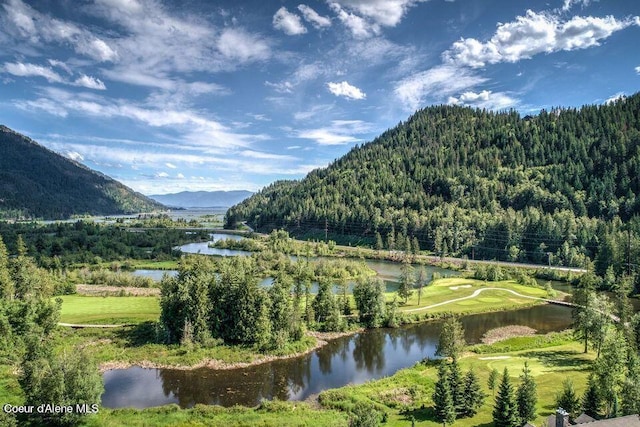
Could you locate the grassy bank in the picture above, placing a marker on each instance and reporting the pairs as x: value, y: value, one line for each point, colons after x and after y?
x: 268, y: 414
x: 409, y: 392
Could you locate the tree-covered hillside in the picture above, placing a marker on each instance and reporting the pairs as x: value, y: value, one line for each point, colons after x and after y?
x: 463, y: 181
x: 38, y: 183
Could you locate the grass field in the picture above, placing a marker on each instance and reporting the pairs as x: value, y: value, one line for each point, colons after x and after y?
x: 408, y: 392
x: 79, y: 309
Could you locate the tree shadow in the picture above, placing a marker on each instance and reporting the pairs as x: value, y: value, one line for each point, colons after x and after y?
x: 559, y: 358
x: 139, y: 335
x: 428, y: 414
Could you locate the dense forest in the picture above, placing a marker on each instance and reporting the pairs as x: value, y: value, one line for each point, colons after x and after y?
x: 560, y: 187
x: 58, y: 245
x: 38, y: 183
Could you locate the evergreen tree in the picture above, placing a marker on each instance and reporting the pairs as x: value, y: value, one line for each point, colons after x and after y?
x: 473, y: 396
x: 567, y: 399
x: 406, y: 280
x: 421, y: 281
x: 280, y: 310
x: 370, y: 301
x: 630, y: 391
x: 591, y: 397
x: 442, y: 397
x: 451, y: 340
x: 7, y: 288
x: 456, y: 385
x: 505, y: 410
x: 493, y: 378
x: 526, y: 395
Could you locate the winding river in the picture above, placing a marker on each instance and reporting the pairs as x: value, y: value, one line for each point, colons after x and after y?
x: 349, y: 360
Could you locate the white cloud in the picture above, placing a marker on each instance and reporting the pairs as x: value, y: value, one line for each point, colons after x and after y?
x: 162, y: 175
x: 197, y: 129
x: 60, y: 64
x: 288, y: 22
x: 170, y: 165
x: 90, y: 82
x: 637, y: 69
x: 22, y: 21
x: 31, y: 70
x: 568, y: 4
x: 359, y: 27
x: 339, y: 133
x: 313, y: 17
x: 180, y: 176
x: 435, y: 84
x: 533, y: 34
x: 387, y: 13
x: 244, y: 47
x: 346, y: 90
x: 265, y: 156
x: 618, y: 96
x: 484, y: 99
x: 74, y: 155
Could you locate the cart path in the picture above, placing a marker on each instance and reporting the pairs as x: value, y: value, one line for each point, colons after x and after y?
x: 479, y: 291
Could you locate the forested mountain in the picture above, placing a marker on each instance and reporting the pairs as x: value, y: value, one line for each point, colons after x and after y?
x: 559, y: 186
x: 202, y: 199
x: 38, y: 183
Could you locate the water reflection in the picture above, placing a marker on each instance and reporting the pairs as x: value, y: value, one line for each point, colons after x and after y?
x: 349, y: 360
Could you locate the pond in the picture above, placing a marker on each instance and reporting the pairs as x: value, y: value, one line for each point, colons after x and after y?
x: 350, y: 360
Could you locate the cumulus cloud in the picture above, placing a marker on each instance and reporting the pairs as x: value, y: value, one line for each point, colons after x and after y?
x: 288, y: 22
x: 312, y: 17
x: 638, y: 69
x: 533, y: 34
x: 484, y: 99
x: 346, y: 90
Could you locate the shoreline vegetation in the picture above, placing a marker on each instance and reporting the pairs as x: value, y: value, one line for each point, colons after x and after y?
x: 440, y: 298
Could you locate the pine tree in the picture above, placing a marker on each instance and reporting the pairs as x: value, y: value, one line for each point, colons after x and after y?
x: 568, y: 399
x: 591, y: 397
x: 406, y: 281
x: 442, y: 398
x: 526, y: 396
x: 473, y: 396
x: 451, y: 340
x: 493, y: 378
x: 7, y: 288
x: 505, y: 411
x: 456, y: 385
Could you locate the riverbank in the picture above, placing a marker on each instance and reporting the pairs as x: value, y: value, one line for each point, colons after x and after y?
x: 314, y: 340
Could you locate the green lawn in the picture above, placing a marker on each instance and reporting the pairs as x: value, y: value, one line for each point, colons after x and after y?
x: 80, y: 309
x: 443, y: 290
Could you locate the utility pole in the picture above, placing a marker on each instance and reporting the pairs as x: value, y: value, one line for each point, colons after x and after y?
x: 326, y: 230
x: 629, y: 249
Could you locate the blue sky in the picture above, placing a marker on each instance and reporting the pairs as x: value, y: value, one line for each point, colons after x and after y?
x: 225, y: 95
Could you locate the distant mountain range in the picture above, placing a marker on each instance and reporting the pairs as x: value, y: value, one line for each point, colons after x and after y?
x: 35, y: 182
x: 202, y: 199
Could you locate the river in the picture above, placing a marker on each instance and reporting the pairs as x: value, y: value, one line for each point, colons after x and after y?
x: 350, y: 360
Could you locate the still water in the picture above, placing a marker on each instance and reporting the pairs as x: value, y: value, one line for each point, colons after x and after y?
x: 350, y: 360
